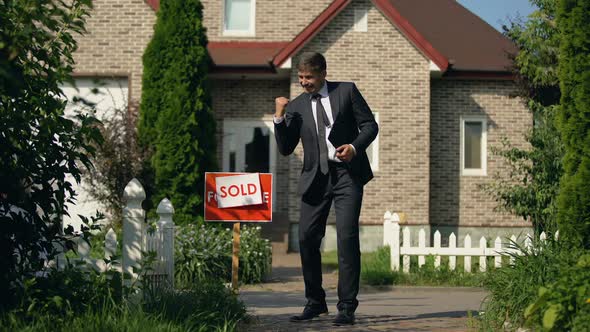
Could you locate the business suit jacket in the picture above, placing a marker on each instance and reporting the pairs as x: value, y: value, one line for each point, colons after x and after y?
x: 353, y: 124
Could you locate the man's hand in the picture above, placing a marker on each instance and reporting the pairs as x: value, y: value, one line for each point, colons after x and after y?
x: 280, y: 106
x: 345, y: 152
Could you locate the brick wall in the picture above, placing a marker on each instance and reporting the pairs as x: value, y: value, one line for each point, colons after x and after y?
x: 456, y: 199
x: 118, y: 32
x: 394, y: 78
x: 276, y: 20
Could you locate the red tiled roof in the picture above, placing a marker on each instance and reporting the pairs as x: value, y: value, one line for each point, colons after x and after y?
x: 466, y: 40
x: 244, y: 54
x: 454, y: 38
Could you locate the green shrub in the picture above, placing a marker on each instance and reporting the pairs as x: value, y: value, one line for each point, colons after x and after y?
x: 565, y: 304
x: 40, y: 146
x: 514, y: 287
x: 375, y: 269
x: 209, y: 307
x: 205, y: 251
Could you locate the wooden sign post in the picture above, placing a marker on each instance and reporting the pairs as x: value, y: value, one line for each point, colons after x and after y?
x: 224, y: 204
x: 235, y: 259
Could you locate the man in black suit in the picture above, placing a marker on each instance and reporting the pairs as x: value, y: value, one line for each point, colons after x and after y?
x: 335, y: 126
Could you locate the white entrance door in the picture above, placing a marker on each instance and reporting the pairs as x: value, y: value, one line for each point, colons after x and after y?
x: 249, y: 146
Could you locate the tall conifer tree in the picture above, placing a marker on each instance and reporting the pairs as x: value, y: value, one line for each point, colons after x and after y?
x: 574, y: 121
x: 176, y: 120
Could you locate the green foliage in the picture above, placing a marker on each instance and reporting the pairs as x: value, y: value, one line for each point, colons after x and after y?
x: 376, y: 271
x: 376, y: 268
x: 40, y: 146
x: 513, y: 287
x: 529, y: 189
x: 77, y: 298
x: 206, y: 306
x: 565, y: 304
x: 176, y: 121
x: 118, y: 159
x: 428, y: 275
x: 574, y: 121
x: 204, y: 252
x: 209, y: 307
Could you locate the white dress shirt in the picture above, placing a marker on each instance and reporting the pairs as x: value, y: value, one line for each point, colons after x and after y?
x: 328, y: 108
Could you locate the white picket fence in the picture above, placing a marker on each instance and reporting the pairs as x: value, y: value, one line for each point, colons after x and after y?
x: 401, y: 247
x: 137, y: 240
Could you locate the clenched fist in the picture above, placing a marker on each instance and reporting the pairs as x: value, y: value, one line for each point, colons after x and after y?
x: 280, y: 106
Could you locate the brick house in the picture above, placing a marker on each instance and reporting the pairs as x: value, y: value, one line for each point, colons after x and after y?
x: 435, y: 75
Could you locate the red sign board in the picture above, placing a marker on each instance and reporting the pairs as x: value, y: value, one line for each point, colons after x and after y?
x: 249, y: 213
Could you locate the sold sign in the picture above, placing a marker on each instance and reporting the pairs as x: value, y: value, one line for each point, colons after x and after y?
x: 245, y: 197
x: 238, y: 190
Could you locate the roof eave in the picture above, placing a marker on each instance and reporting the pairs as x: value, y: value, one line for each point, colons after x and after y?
x: 501, y: 75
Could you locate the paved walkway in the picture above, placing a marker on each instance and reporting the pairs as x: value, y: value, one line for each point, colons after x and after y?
x: 380, y: 309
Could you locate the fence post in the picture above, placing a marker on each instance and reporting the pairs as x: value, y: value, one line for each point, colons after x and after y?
x: 467, y: 259
x: 421, y: 245
x: 437, y: 249
x: 498, y: 251
x: 452, y: 245
x: 387, y: 229
x: 110, y: 244
x: 133, y: 220
x: 166, y: 228
x: 483, y: 245
x: 406, y: 245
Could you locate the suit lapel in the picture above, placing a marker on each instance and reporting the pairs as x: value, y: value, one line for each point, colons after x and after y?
x: 334, y: 99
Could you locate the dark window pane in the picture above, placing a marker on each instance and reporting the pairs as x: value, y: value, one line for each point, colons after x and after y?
x: 257, y: 152
x: 472, y: 136
x: 232, y: 161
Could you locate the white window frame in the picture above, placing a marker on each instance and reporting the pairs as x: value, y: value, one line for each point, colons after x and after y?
x: 361, y: 20
x: 239, y: 33
x: 374, y: 146
x: 483, y: 148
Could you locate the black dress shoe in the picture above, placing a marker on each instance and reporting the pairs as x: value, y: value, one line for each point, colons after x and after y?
x: 310, y: 312
x: 343, y: 318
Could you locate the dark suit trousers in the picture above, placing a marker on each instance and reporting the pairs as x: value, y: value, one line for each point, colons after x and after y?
x: 347, y: 194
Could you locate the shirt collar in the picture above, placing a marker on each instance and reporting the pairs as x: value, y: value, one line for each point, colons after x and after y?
x: 323, y: 90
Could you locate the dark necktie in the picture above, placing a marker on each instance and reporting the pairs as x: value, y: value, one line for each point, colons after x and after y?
x: 322, y: 122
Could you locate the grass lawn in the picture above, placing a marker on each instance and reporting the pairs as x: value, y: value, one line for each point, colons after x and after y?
x: 375, y: 270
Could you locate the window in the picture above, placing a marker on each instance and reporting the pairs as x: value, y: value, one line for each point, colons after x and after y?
x: 473, y: 145
x: 373, y: 149
x: 360, y: 20
x: 238, y: 17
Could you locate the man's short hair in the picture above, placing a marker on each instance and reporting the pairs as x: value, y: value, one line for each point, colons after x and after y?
x: 312, y: 61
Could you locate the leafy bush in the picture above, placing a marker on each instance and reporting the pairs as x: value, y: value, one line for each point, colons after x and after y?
x: 205, y: 251
x: 40, y: 145
x: 565, y: 304
x: 118, y: 159
x: 209, y: 307
x: 206, y: 306
x: 376, y: 269
x: 514, y: 287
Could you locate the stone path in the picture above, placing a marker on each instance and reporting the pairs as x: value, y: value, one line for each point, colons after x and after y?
x: 380, y: 309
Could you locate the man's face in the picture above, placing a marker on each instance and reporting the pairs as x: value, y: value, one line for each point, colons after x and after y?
x: 311, y: 81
